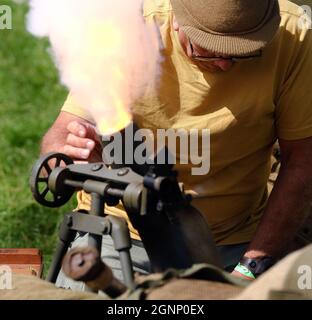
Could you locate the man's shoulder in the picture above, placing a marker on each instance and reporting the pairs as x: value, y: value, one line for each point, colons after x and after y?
x: 292, y: 8
x: 294, y: 18
x: 155, y: 7
x: 293, y: 4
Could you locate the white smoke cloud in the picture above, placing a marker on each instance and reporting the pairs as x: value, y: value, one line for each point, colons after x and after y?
x: 105, y: 52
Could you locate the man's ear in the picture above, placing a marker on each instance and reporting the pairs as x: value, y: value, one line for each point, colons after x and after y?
x: 175, y: 24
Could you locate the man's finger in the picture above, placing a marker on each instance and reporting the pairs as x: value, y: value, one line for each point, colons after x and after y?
x: 77, y: 153
x: 91, y: 132
x: 78, y: 142
x: 81, y: 162
x: 77, y: 129
x: 83, y: 130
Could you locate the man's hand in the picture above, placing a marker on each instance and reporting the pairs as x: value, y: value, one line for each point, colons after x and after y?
x: 82, y: 142
x: 73, y: 136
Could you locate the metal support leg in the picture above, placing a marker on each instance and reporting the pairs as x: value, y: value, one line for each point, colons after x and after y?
x: 97, y: 209
x: 122, y: 243
x: 66, y: 236
x: 127, y: 268
x: 97, y: 226
x: 94, y: 240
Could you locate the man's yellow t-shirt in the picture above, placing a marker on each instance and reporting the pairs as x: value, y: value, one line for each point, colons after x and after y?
x: 246, y: 109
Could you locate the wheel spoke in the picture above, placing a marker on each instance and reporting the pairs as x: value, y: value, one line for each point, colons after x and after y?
x: 47, y: 167
x: 45, y: 192
x: 43, y: 179
x: 58, y: 162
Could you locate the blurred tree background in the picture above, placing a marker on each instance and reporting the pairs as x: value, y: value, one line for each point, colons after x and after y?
x: 30, y: 99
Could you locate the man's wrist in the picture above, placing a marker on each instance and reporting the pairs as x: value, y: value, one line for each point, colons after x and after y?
x: 255, y: 267
x: 244, y: 271
x: 256, y: 254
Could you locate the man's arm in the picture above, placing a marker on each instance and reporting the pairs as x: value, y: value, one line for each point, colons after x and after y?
x: 74, y: 137
x: 285, y: 211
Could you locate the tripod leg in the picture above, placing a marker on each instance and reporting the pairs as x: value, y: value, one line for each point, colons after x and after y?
x: 95, y: 241
x: 97, y: 209
x: 122, y: 243
x: 66, y: 236
x: 127, y: 268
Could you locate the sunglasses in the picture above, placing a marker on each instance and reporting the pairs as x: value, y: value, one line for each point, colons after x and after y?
x: 232, y: 58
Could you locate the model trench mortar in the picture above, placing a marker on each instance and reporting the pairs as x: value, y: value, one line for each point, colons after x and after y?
x: 174, y: 234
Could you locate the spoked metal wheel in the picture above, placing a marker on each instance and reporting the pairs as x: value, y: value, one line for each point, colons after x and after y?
x: 40, y: 178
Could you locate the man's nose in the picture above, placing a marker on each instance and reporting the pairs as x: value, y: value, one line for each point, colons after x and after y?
x: 224, y: 65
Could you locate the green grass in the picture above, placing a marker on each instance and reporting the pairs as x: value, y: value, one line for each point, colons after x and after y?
x: 30, y: 99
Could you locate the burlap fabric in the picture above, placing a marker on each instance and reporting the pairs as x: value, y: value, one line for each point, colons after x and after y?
x: 33, y: 288
x: 283, y: 281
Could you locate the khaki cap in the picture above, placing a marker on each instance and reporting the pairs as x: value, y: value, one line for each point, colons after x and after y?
x: 229, y: 27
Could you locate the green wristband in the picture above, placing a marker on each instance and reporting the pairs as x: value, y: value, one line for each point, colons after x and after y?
x: 244, y: 271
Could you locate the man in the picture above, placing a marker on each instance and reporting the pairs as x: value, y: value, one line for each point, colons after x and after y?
x: 241, y: 69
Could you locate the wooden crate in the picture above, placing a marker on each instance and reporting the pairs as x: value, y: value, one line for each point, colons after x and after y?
x: 26, y: 261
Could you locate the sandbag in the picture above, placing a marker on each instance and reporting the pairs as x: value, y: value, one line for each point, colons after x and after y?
x: 32, y: 288
x: 291, y: 278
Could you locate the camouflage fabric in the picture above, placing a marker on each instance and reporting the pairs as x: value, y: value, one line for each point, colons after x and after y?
x: 202, y: 281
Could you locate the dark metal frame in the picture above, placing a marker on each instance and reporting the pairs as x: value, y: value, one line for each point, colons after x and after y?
x: 174, y: 234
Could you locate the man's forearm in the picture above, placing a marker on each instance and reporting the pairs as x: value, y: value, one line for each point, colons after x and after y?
x: 285, y: 211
